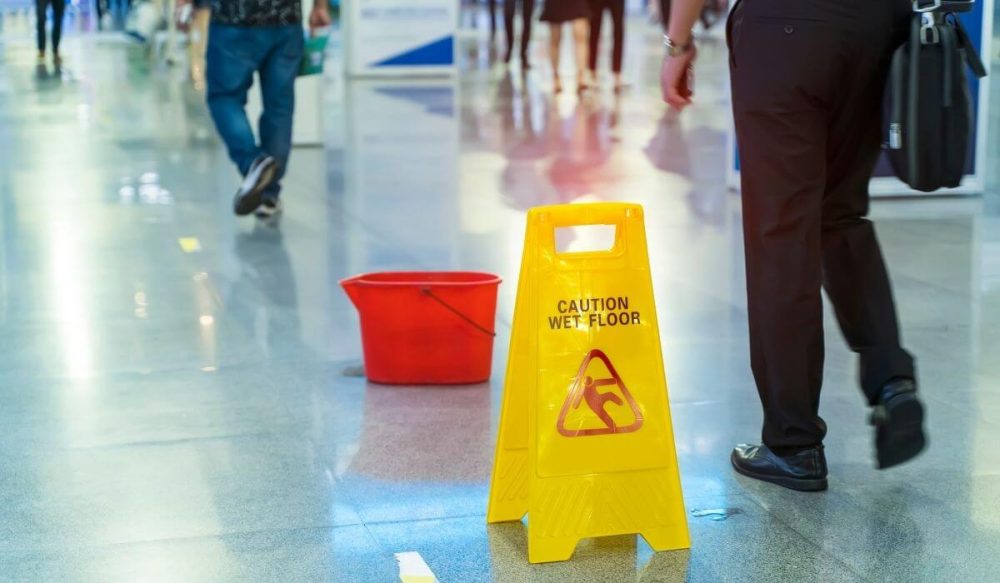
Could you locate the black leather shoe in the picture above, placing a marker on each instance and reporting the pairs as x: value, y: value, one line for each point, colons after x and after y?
x: 804, y: 471
x: 898, y: 418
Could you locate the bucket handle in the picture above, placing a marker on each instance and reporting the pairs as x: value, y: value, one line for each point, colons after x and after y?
x: 427, y: 292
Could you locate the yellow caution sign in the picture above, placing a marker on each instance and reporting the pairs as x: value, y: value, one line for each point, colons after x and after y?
x: 586, y: 446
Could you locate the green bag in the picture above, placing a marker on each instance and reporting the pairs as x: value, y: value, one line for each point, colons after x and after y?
x: 313, y: 56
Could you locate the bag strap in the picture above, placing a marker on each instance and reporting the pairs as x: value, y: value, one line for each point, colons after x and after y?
x: 949, y: 42
x: 971, y: 55
x: 911, y: 135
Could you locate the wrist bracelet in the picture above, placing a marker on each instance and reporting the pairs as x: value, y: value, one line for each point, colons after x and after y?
x: 675, y: 50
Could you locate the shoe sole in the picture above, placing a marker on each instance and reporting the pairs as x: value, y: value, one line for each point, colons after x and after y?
x: 252, y: 200
x: 798, y: 484
x: 900, y: 437
x: 265, y: 216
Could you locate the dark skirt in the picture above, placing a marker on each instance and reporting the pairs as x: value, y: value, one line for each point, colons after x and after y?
x: 557, y: 11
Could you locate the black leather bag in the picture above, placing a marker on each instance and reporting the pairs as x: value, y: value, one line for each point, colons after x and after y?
x: 930, y: 106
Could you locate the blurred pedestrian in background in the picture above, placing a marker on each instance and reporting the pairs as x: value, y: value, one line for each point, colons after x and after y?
x: 577, y: 14
x: 263, y: 37
x: 659, y: 11
x: 617, y: 10
x: 527, y: 16
x: 491, y: 7
x: 198, y: 40
x: 41, y: 16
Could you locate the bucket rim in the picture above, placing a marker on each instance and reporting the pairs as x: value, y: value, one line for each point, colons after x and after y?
x: 480, y: 278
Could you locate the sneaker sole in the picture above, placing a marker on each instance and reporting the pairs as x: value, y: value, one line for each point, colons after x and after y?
x: 900, y: 437
x: 251, y: 201
x: 798, y: 484
x: 263, y: 215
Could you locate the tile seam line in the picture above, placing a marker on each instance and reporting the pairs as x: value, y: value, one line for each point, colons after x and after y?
x: 406, y: 521
x: 179, y: 441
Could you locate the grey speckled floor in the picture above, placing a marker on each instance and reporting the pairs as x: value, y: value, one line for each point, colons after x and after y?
x: 175, y: 416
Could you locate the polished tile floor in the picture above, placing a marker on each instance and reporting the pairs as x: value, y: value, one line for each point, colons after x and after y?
x: 179, y: 398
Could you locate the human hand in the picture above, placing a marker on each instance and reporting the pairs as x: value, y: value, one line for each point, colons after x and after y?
x: 675, y: 78
x: 320, y: 16
x: 183, y: 11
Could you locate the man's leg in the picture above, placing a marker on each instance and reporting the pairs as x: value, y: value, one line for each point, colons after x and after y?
x: 782, y: 169
x: 781, y: 126
x: 231, y: 60
x: 854, y: 273
x: 277, y: 84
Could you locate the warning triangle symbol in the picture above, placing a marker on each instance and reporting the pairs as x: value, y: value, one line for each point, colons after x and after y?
x: 598, y: 403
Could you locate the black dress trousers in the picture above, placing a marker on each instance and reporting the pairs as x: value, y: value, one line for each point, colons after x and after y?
x: 808, y: 78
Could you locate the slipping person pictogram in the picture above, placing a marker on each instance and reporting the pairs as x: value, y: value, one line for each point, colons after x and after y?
x: 587, y: 389
x: 596, y: 399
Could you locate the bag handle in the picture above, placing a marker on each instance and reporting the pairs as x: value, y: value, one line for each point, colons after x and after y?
x: 943, y: 5
x: 971, y: 55
x: 426, y: 290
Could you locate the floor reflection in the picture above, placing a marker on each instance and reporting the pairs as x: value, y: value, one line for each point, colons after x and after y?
x: 617, y: 558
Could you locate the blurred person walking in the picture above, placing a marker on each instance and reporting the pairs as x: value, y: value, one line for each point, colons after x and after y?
x: 660, y: 12
x: 527, y: 17
x: 41, y: 15
x: 263, y: 37
x: 197, y: 30
x: 577, y: 13
x: 491, y: 7
x: 617, y: 10
x: 807, y: 84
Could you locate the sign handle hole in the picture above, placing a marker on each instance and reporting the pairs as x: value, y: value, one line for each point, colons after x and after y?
x: 585, y: 238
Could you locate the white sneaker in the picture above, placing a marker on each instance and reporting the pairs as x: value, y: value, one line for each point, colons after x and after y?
x: 269, y: 209
x: 259, y: 177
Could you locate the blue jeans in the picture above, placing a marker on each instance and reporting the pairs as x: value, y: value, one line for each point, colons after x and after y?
x: 235, y: 53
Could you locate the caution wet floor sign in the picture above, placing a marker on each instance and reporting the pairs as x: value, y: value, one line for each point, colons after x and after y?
x: 586, y: 446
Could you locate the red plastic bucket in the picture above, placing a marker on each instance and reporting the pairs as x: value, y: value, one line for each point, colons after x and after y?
x: 426, y: 328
